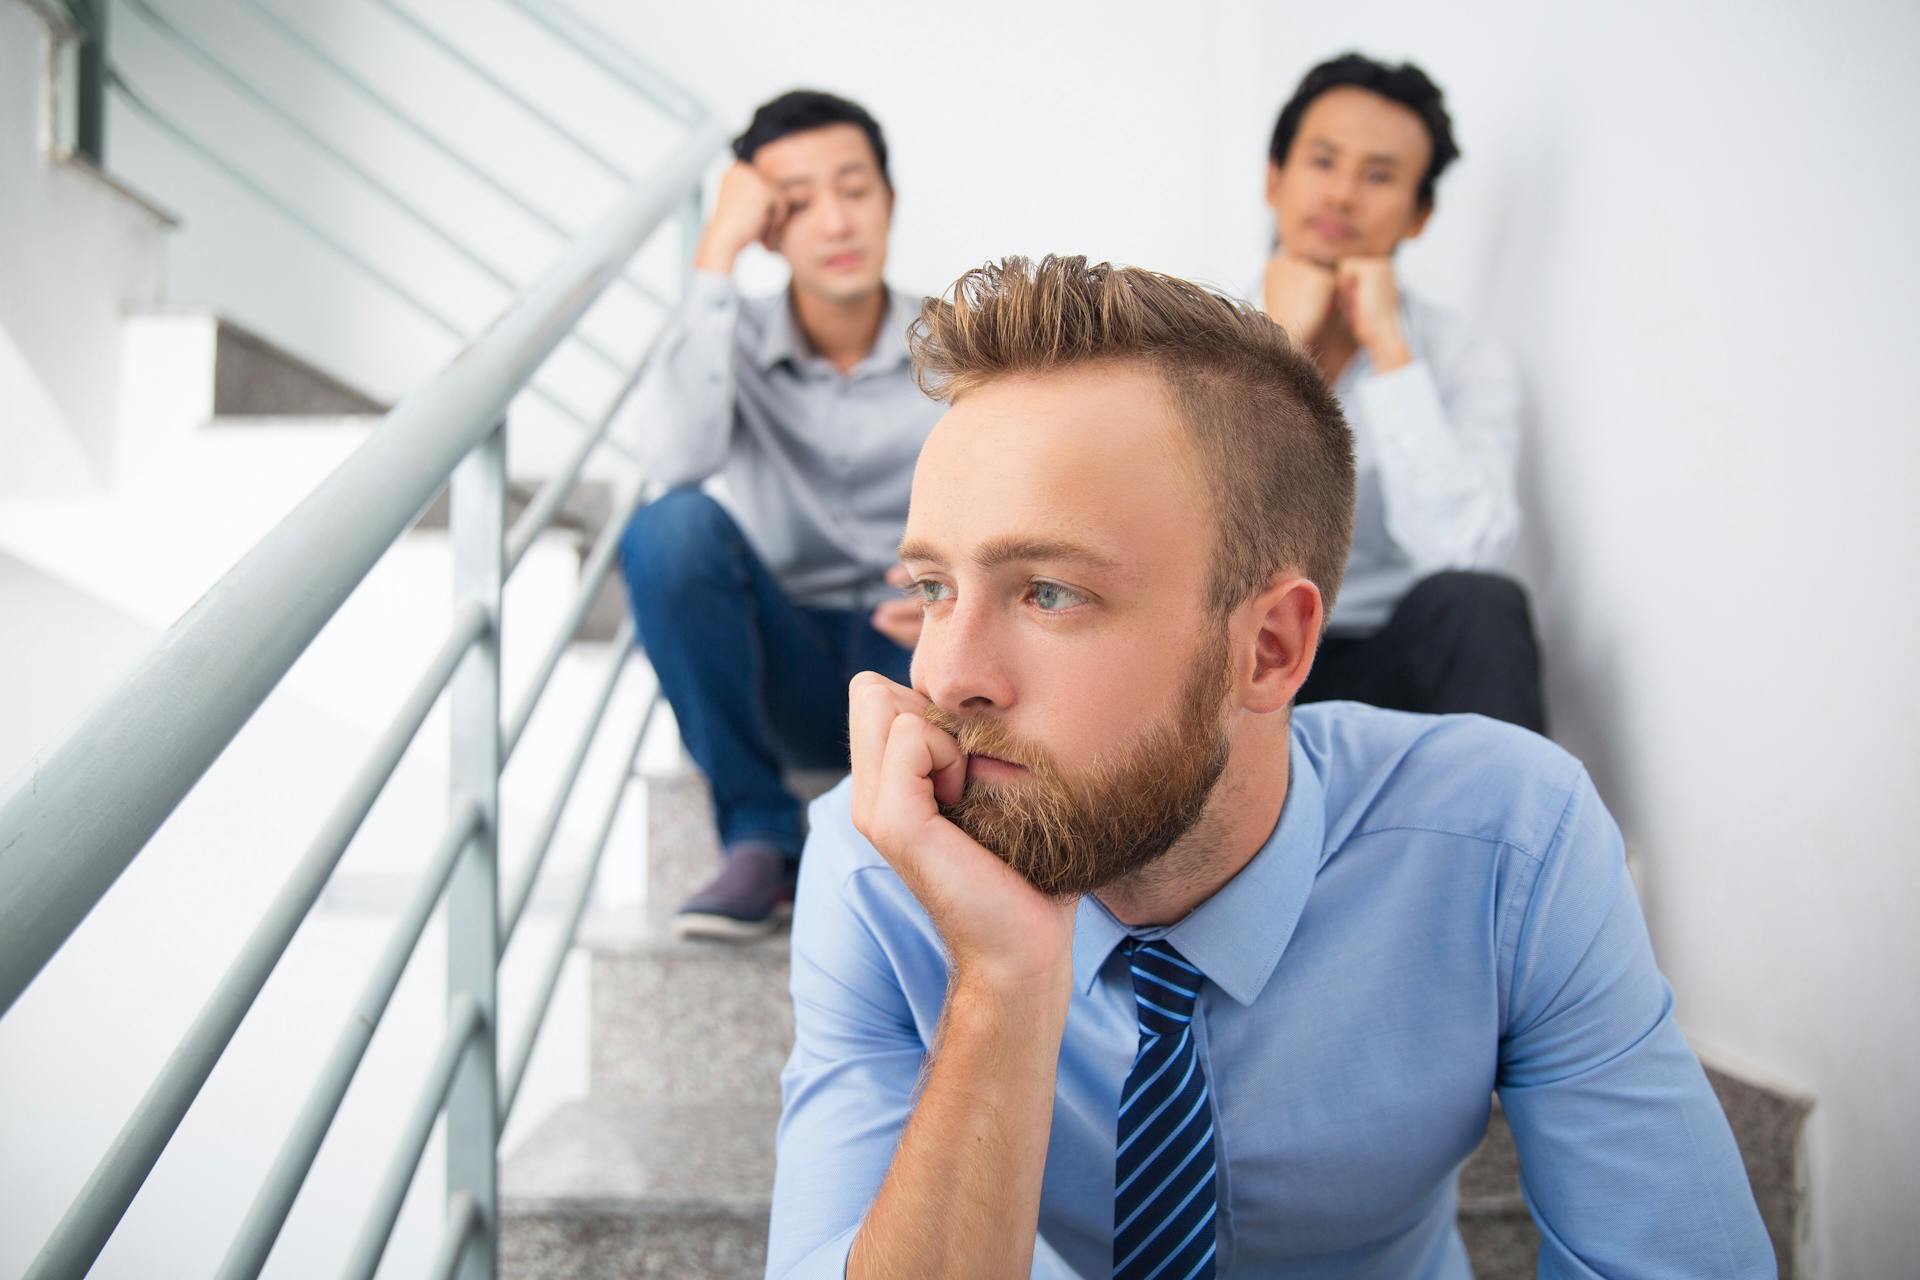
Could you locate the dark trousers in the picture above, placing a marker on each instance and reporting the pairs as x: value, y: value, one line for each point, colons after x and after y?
x: 756, y: 682
x: 1456, y: 642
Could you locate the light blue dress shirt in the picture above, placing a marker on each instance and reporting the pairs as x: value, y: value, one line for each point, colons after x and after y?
x: 1443, y: 912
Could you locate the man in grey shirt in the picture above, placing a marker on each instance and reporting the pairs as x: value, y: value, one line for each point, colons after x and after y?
x: 756, y: 614
x: 1425, y: 622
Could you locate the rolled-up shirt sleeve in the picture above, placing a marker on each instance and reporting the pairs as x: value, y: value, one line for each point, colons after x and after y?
x: 847, y: 1089
x: 1627, y: 1162
x: 680, y: 417
x: 1448, y: 440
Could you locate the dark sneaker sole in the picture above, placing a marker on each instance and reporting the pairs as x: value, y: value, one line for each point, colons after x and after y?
x: 703, y: 925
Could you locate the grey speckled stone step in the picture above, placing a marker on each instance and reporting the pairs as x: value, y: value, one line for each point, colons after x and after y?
x: 607, y: 1189
x: 1501, y: 1239
x: 1767, y: 1123
x: 610, y: 1188
x: 683, y: 851
x: 695, y: 1030
x: 254, y: 378
x: 636, y: 1192
x: 688, y: 1021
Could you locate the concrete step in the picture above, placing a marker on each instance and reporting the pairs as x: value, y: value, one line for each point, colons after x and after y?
x: 578, y: 525
x: 697, y: 1025
x: 209, y: 369
x: 688, y: 1022
x: 616, y: 1189
x: 254, y: 378
x: 683, y: 852
x: 1767, y: 1122
x: 1500, y: 1237
x: 606, y: 1189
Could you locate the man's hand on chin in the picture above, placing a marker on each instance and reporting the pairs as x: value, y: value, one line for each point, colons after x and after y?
x: 998, y: 929
x: 1299, y: 295
x: 1369, y: 299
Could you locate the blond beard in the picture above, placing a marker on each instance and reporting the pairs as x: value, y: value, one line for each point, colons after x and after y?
x: 1071, y: 834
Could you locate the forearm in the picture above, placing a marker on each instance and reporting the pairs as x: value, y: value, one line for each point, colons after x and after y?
x: 1446, y: 474
x: 718, y: 250
x: 681, y: 416
x: 962, y: 1197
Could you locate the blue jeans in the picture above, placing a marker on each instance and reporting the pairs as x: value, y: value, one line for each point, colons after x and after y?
x: 756, y: 682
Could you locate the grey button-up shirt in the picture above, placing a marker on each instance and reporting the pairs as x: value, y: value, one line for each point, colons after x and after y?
x: 816, y: 465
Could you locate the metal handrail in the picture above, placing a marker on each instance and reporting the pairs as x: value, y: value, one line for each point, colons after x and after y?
x: 592, y: 575
x: 515, y: 904
x: 464, y: 1027
x: 260, y: 1229
x: 463, y: 1219
x: 118, y: 1176
x: 557, y: 957
x: 77, y: 815
x: 611, y: 167
x: 614, y: 58
x: 292, y: 34
x: 66, y: 828
x: 343, y: 249
x: 553, y: 495
x: 314, y: 138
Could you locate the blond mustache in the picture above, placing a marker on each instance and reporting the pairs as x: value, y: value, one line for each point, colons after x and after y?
x: 990, y: 738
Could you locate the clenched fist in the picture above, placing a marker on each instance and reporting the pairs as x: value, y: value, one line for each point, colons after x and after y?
x: 1299, y: 295
x: 1370, y: 303
x: 997, y: 928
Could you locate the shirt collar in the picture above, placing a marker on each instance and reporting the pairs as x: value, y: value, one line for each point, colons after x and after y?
x: 784, y: 341
x: 1235, y: 937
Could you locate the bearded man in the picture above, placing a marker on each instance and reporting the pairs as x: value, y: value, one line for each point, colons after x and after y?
x: 1109, y: 962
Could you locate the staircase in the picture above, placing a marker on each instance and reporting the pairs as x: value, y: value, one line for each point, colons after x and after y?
x: 666, y: 1168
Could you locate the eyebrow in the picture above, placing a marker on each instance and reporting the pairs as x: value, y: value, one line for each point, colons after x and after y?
x: 850, y: 167
x: 1012, y: 549
x: 1379, y: 157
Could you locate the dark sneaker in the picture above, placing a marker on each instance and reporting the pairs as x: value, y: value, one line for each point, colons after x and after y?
x: 750, y: 898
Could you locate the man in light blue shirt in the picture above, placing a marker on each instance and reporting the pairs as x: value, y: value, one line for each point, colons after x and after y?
x: 1108, y: 962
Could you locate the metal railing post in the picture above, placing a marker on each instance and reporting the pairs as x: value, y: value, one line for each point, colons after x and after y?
x: 478, y: 534
x: 90, y: 89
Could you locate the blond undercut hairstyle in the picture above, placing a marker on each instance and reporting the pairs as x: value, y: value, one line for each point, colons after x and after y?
x: 1274, y: 450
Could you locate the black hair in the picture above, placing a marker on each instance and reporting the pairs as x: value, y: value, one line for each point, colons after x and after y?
x: 1405, y: 84
x: 801, y: 109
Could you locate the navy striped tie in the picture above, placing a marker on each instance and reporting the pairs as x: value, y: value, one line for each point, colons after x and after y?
x: 1164, y: 1193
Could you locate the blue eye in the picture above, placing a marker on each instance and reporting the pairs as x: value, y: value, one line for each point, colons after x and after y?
x: 1051, y: 597
x: 928, y: 591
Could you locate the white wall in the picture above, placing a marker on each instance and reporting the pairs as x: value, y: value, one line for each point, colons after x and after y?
x: 1692, y: 222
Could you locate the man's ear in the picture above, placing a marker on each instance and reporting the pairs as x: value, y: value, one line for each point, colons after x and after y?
x: 1283, y: 623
